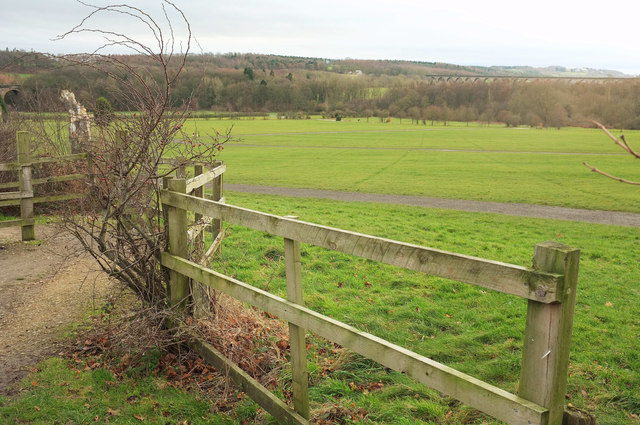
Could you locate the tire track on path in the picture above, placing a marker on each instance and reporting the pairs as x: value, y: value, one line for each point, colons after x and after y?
x: 614, y: 218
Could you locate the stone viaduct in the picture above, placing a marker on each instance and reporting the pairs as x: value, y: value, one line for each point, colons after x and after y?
x: 436, y: 79
x: 9, y: 92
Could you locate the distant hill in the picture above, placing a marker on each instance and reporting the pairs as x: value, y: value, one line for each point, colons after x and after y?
x: 16, y: 61
x: 553, y: 71
x: 243, y: 83
x: 396, y: 67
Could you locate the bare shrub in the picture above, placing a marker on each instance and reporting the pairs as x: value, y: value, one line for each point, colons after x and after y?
x: 120, y: 221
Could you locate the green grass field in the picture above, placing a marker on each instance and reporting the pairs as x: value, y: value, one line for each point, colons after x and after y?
x: 478, y: 332
x: 491, y: 164
x: 66, y: 393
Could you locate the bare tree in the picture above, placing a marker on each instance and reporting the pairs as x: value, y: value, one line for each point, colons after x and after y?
x: 622, y: 142
x: 120, y: 221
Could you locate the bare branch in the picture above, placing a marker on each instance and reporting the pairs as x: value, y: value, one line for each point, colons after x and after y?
x: 623, y: 144
x: 595, y: 170
x: 120, y: 220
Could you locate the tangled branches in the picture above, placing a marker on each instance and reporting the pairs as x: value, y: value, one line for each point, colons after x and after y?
x: 120, y: 222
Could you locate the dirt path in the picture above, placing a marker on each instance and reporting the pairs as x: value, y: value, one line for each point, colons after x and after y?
x: 44, y: 286
x: 524, y: 210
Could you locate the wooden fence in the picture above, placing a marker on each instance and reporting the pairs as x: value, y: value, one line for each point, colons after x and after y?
x: 549, y: 288
x: 191, y: 241
x: 24, y: 196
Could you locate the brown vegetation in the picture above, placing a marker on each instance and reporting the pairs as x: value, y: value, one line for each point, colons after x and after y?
x: 296, y: 87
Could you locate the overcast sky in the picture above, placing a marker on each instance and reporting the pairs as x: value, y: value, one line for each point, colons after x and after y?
x: 570, y: 33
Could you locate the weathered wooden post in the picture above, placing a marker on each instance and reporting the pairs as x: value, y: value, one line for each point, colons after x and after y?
x: 201, y: 293
x: 26, y: 188
x: 199, y: 192
x: 216, y: 189
x: 178, y: 245
x: 297, y: 340
x: 545, y: 358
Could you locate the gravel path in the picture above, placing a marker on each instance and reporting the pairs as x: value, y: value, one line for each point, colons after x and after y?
x: 44, y: 286
x: 524, y: 210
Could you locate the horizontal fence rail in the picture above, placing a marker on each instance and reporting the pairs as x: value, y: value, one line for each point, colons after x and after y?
x: 42, y: 199
x: 12, y: 166
x: 51, y: 179
x: 204, y: 178
x: 549, y: 288
x: 508, y: 278
x: 485, y: 397
x: 24, y: 197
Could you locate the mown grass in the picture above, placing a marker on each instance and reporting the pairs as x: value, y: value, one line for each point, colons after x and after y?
x: 449, y: 138
x: 488, y: 163
x: 478, y: 332
x: 475, y: 331
x: 62, y: 392
x: 533, y: 179
x: 399, y: 135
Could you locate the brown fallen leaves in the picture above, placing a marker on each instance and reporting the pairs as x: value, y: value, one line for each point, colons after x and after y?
x: 134, y: 341
x: 336, y: 414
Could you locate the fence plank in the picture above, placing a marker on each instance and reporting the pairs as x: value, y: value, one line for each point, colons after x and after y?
x: 10, y: 223
x: 480, y: 395
x: 73, y: 157
x: 511, y: 279
x: 9, y: 166
x: 201, y: 294
x: 216, y: 186
x: 26, y: 202
x: 52, y: 179
x: 250, y: 386
x: 15, y: 195
x: 41, y: 199
x: 177, y: 220
x: 297, y: 342
x: 545, y: 357
x: 204, y: 178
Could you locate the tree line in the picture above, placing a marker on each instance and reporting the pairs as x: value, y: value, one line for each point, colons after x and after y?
x: 244, y: 83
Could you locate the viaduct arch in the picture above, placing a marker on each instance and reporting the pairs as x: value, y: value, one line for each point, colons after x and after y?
x: 9, y: 92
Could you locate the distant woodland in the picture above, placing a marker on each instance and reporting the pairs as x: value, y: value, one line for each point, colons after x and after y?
x: 298, y: 87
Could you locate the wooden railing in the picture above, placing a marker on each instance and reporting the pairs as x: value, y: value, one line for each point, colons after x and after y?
x: 210, y: 179
x: 24, y: 196
x: 194, y: 232
x: 549, y: 287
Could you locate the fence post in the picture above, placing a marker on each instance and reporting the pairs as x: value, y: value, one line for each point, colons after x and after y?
x: 296, y: 333
x: 216, y: 195
x: 201, y: 293
x: 26, y: 188
x: 545, y: 357
x: 199, y: 192
x: 178, y: 246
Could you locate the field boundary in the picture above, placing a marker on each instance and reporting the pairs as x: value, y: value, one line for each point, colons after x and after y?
x: 549, y: 288
x: 614, y: 218
x: 24, y: 196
